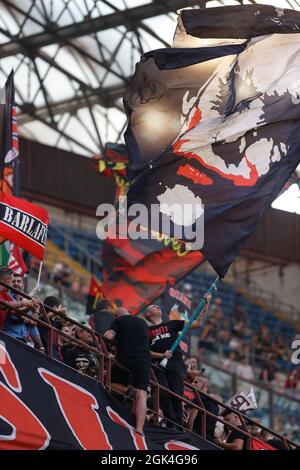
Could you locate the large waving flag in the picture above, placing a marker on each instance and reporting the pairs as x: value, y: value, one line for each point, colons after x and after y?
x: 135, y: 272
x: 215, y: 120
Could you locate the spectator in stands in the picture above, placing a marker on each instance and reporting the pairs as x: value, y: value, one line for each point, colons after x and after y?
x: 231, y: 362
x: 254, y: 430
x: 162, y: 335
x: 208, y: 335
x: 131, y: 335
x: 62, y: 275
x: 235, y: 343
x: 192, y: 368
x: 235, y: 440
x: 244, y: 369
x: 12, y: 322
x: 65, y: 343
x: 53, y: 303
x: 269, y: 370
x: 24, y: 328
x: 82, y: 363
x: 279, y: 349
x: 291, y: 427
x: 272, y: 440
x: 224, y: 337
x: 101, y: 320
x: 239, y: 314
x: 263, y: 346
x: 217, y: 310
x: 77, y: 351
x: 293, y: 380
x: 202, y: 384
x: 6, y: 276
x: 239, y: 329
x: 57, y: 272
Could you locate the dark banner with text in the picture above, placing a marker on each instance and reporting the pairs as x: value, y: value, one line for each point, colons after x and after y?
x: 47, y: 405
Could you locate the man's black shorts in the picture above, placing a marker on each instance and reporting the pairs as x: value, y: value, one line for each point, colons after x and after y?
x: 139, y: 375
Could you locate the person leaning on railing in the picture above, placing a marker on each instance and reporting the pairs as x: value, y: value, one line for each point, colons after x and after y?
x: 13, y: 323
x: 235, y: 440
x: 202, y: 384
x: 56, y: 321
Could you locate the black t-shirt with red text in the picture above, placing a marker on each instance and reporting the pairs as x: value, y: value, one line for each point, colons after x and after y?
x: 163, y: 336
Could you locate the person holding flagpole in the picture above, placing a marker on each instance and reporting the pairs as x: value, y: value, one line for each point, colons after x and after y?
x: 162, y: 336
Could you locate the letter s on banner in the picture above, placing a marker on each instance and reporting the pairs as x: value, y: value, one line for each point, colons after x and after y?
x: 28, y: 433
x: 78, y: 408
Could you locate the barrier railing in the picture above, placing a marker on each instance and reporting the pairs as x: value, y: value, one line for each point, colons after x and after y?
x: 101, y: 346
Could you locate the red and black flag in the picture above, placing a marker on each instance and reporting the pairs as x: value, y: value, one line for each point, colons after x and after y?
x: 9, y: 140
x: 24, y: 223
x: 135, y: 272
x: 114, y: 164
x: 210, y: 125
x: 94, y: 295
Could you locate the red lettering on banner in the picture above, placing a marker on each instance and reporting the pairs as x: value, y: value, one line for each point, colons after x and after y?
x: 178, y: 445
x: 78, y: 407
x: 28, y: 432
x: 8, y: 370
x: 139, y: 441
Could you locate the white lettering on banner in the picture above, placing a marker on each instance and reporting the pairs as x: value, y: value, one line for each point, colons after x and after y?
x: 27, y: 225
x: 8, y: 214
x: 24, y: 223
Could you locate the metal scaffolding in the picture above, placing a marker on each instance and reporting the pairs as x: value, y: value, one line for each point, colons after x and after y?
x: 73, y: 59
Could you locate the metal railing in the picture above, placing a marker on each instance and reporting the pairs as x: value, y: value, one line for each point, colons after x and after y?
x: 273, y: 394
x: 101, y: 346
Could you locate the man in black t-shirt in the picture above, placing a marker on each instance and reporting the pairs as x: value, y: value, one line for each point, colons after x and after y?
x: 162, y: 336
x: 235, y: 440
x: 131, y: 335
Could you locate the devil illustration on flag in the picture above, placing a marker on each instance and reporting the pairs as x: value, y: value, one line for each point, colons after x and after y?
x: 215, y: 120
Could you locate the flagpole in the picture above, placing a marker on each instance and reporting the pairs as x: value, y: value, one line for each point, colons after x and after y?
x: 213, y: 288
x: 39, y: 275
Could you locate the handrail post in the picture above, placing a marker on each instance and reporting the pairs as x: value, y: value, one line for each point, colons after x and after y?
x: 156, y: 399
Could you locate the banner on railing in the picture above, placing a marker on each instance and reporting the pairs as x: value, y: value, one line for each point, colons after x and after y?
x: 46, y: 405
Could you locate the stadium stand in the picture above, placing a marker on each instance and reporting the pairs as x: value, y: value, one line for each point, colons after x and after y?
x: 94, y: 344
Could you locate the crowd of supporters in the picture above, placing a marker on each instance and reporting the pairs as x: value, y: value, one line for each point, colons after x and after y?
x: 252, y: 355
x: 136, y: 344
